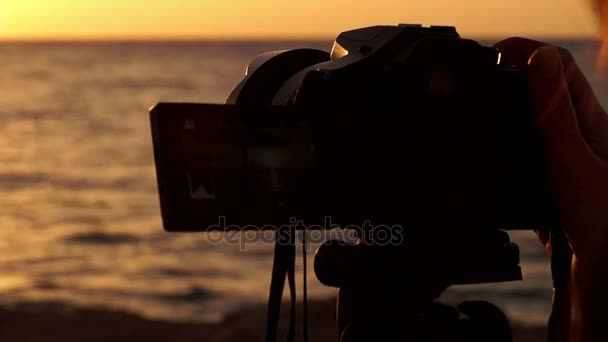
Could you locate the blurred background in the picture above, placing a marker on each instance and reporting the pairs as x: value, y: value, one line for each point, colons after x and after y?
x: 79, y: 215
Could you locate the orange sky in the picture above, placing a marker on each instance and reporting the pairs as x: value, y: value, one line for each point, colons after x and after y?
x: 78, y: 19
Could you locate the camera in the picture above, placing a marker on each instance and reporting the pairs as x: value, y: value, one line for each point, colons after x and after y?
x: 397, y: 130
x: 396, y: 125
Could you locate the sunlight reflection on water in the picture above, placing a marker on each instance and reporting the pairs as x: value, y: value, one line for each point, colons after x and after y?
x: 80, y: 217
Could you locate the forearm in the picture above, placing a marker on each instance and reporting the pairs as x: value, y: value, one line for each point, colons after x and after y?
x: 590, y: 298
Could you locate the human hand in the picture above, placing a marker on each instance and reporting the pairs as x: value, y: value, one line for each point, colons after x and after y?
x: 574, y: 130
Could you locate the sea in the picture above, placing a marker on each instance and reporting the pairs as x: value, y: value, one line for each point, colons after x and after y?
x: 80, y: 221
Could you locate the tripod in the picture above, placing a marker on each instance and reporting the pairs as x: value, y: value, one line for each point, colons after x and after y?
x: 388, y: 293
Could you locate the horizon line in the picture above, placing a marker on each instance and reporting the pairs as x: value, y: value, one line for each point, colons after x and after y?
x: 193, y: 38
x: 244, y: 39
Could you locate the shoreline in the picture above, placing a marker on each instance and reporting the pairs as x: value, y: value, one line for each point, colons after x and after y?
x: 58, y: 322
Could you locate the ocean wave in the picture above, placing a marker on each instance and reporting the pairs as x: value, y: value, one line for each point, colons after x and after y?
x: 195, y: 293
x: 16, y: 180
x: 205, y: 273
x: 37, y: 74
x: 120, y: 183
x: 90, y: 220
x: 153, y: 83
x: 101, y: 238
x: 11, y: 181
x: 46, y: 284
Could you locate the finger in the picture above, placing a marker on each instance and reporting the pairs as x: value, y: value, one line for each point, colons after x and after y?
x: 554, y: 111
x: 571, y: 164
x: 592, y: 119
x: 516, y: 51
x: 544, y: 235
x: 555, y: 117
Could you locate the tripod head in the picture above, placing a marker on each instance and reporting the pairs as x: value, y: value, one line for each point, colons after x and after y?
x: 389, y: 293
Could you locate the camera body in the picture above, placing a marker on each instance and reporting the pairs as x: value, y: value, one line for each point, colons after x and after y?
x: 397, y: 125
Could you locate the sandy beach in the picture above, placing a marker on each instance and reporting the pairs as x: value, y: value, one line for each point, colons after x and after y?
x: 55, y: 322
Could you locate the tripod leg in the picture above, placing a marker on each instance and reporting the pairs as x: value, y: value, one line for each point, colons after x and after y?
x: 344, y: 311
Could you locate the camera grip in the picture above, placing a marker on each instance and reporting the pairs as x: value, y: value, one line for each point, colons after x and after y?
x: 524, y: 186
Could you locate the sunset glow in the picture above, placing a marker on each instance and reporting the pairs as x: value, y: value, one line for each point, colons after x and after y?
x: 145, y: 19
x: 600, y: 7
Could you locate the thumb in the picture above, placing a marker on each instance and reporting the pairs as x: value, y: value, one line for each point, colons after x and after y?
x: 554, y: 113
x: 574, y: 171
x: 592, y: 118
